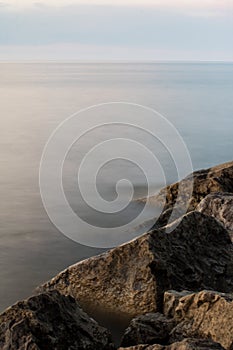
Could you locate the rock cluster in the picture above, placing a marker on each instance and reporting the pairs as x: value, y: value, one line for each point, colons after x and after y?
x: 174, y: 283
x: 131, y: 279
x: 189, y: 320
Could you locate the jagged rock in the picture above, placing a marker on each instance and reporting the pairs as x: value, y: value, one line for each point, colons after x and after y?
x: 50, y: 321
x: 220, y: 206
x: 204, y: 182
x: 206, y: 314
x: 171, y: 301
x: 144, y: 347
x: 151, y: 328
x: 195, y: 344
x: 131, y: 279
x: 187, y: 344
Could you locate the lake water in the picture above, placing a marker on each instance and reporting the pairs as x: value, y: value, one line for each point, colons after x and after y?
x: 35, y: 98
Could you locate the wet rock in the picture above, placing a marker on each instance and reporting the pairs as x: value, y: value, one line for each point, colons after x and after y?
x: 151, y: 328
x: 220, y: 206
x: 206, y: 314
x: 50, y: 321
x: 131, y: 279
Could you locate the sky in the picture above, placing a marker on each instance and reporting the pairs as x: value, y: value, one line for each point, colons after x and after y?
x: 93, y: 30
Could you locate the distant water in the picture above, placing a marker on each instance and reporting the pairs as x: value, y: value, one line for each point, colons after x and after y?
x: 35, y: 98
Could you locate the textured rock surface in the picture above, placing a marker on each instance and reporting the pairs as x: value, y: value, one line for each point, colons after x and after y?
x: 50, y: 321
x: 152, y: 328
x: 187, y: 344
x: 195, y: 344
x: 220, y: 206
x: 171, y: 301
x: 131, y: 279
x: 204, y: 182
x: 207, y: 315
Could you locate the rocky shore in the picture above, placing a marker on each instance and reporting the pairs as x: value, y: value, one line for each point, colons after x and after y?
x: 170, y: 289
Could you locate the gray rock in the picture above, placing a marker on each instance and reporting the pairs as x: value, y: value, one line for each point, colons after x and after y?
x: 151, y: 328
x: 220, y: 206
x: 206, y: 314
x: 50, y: 321
x: 131, y: 279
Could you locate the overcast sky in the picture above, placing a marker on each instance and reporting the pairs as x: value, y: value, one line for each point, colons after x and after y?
x: 116, y: 30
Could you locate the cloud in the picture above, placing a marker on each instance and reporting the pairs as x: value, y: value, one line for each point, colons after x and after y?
x: 81, y: 52
x: 116, y: 31
x: 201, y: 4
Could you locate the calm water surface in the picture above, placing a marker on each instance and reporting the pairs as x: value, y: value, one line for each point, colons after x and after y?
x: 35, y: 98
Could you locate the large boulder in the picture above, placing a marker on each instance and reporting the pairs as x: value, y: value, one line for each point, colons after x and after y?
x: 206, y: 314
x: 220, y: 206
x: 151, y: 328
x: 131, y: 279
x: 187, y: 344
x: 189, y: 192
x: 50, y: 321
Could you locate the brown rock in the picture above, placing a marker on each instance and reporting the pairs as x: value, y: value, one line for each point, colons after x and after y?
x: 50, y: 321
x: 151, y: 328
x: 144, y: 347
x: 131, y: 279
x: 220, y: 206
x: 195, y: 344
x: 206, y: 315
x: 187, y: 344
x: 200, y: 184
x: 171, y: 301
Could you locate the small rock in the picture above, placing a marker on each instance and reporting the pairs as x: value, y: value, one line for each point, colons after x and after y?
x: 151, y: 328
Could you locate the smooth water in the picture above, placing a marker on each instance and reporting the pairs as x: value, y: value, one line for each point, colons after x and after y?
x: 35, y: 98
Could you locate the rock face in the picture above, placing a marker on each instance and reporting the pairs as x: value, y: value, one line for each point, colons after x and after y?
x: 152, y: 328
x: 187, y: 344
x: 220, y: 206
x: 131, y: 279
x: 204, y: 182
x: 195, y: 344
x: 206, y: 315
x: 50, y: 321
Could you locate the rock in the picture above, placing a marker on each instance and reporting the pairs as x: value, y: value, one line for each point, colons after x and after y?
x: 151, y: 328
x: 195, y: 344
x: 144, y: 347
x: 204, y: 182
x: 220, y: 206
x: 50, y: 321
x: 171, y: 301
x: 206, y: 314
x: 187, y: 344
x: 131, y: 279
